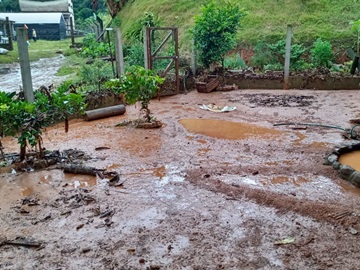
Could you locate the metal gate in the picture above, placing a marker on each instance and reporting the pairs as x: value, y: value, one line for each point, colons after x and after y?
x: 162, y: 53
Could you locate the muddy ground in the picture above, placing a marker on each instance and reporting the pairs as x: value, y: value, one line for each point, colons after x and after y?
x: 206, y: 191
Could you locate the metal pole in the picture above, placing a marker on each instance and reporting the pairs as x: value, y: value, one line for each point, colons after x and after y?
x: 287, y: 57
x: 25, y: 64
x: 119, y: 52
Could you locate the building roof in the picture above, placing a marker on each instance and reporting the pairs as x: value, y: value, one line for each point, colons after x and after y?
x: 49, y: 6
x: 33, y: 18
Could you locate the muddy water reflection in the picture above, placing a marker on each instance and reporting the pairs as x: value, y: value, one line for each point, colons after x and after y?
x: 228, y: 130
x: 351, y: 159
x: 35, y: 182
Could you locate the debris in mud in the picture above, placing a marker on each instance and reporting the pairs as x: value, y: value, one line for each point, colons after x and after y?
x: 30, y: 201
x: 79, y: 226
x: 80, y: 169
x: 285, y: 241
x: 33, y: 162
x: 214, y: 108
x: 102, y: 148
x: 20, y: 241
x: 270, y: 100
x: 353, y: 231
x: 77, y: 200
x: 46, y: 218
x: 139, y: 123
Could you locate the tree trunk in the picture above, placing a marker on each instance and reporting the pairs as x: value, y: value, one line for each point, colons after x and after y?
x: 22, y: 151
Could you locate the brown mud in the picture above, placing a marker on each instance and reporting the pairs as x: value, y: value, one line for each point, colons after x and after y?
x: 205, y: 191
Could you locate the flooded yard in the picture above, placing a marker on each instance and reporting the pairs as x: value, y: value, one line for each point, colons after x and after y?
x: 206, y: 191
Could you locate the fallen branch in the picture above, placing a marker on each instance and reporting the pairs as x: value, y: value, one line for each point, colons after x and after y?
x: 24, y: 243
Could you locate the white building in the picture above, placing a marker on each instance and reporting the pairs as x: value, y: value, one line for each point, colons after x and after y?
x: 63, y: 6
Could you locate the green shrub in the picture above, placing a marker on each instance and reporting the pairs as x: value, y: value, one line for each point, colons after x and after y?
x: 136, y: 32
x: 262, y: 56
x: 138, y: 84
x: 93, y: 76
x: 93, y: 48
x: 215, y: 30
x: 134, y: 54
x: 322, y: 54
x: 272, y: 56
x: 234, y: 62
x: 27, y: 120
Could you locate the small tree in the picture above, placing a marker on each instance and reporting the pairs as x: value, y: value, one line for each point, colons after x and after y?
x: 322, y: 54
x: 138, y: 84
x: 215, y: 30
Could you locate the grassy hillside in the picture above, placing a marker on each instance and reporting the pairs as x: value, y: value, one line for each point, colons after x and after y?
x: 266, y: 19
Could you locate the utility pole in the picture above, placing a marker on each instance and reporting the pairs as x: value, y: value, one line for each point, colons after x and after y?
x: 25, y: 64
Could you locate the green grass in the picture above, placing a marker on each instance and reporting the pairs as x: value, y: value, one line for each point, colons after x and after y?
x: 266, y: 20
x: 37, y: 50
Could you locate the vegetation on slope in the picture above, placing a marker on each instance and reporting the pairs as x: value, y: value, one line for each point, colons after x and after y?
x: 266, y: 20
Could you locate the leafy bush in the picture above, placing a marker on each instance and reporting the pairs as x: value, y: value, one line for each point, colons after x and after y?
x: 26, y: 120
x: 262, y: 56
x: 215, y: 30
x: 134, y: 54
x: 95, y: 75
x: 322, y: 54
x: 234, y: 62
x: 272, y: 56
x: 93, y: 48
x: 136, y: 32
x: 138, y: 84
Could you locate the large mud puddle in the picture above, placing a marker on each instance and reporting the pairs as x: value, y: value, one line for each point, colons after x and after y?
x: 221, y: 129
x: 351, y: 159
x: 42, y: 72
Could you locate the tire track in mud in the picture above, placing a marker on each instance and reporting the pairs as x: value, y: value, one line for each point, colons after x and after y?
x: 320, y: 211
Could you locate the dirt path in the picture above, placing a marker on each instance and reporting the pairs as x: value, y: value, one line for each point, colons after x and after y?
x: 206, y: 191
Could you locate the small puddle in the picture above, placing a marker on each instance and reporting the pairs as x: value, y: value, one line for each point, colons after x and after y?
x: 228, y: 130
x: 351, y: 159
x: 79, y: 181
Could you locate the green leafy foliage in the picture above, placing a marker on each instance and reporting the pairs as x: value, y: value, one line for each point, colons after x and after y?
x: 93, y: 76
x: 134, y: 54
x: 322, y: 54
x: 355, y: 27
x: 272, y: 56
x: 27, y: 120
x: 94, y: 49
x: 136, y: 32
x: 234, y: 62
x: 138, y: 84
x: 9, y: 6
x: 215, y: 30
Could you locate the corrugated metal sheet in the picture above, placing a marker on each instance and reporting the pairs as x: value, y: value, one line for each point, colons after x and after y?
x: 33, y: 18
x: 52, y: 6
